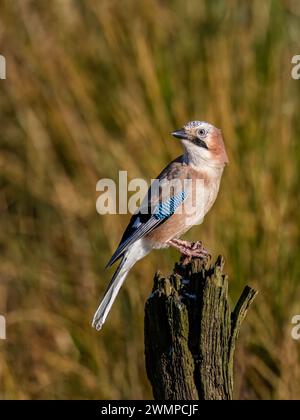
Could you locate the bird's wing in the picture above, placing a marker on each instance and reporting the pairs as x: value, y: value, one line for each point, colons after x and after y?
x: 157, y: 207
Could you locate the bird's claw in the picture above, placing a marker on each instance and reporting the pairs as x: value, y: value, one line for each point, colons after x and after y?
x: 195, y: 251
x: 190, y: 250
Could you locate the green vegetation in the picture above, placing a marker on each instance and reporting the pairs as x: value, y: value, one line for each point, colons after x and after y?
x: 94, y: 87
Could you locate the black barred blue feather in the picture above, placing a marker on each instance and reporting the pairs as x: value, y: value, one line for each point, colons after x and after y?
x: 167, y: 208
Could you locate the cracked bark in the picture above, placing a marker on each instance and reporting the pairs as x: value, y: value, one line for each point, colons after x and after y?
x: 190, y: 332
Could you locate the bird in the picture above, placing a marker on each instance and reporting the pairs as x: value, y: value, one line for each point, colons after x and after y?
x: 165, y: 215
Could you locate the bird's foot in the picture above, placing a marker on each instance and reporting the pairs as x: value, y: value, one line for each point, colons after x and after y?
x: 189, y: 250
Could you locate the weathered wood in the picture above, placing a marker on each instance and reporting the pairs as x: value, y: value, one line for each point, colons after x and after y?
x: 190, y: 332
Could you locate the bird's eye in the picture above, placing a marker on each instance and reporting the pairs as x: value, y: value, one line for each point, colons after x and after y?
x: 201, y: 132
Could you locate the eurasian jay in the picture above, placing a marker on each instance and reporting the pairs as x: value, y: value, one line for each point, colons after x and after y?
x: 167, y: 212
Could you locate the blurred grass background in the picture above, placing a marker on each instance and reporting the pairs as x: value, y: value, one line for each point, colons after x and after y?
x: 94, y: 87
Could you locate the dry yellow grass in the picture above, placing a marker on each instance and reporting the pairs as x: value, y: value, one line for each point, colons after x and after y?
x: 94, y: 87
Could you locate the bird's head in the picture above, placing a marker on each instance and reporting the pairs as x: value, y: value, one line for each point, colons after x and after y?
x: 202, y: 142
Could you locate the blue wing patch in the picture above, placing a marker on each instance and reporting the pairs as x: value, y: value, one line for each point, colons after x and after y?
x: 168, y: 208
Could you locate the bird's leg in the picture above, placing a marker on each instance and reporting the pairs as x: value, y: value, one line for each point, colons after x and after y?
x: 189, y: 249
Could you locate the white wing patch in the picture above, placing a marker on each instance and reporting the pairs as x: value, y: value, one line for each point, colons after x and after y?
x: 137, y: 223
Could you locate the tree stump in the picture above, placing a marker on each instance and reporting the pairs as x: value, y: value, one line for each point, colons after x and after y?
x: 190, y: 332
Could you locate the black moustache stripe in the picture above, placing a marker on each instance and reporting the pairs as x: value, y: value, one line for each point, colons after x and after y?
x: 200, y: 143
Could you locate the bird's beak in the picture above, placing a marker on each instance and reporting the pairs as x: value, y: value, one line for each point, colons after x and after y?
x: 180, y: 134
